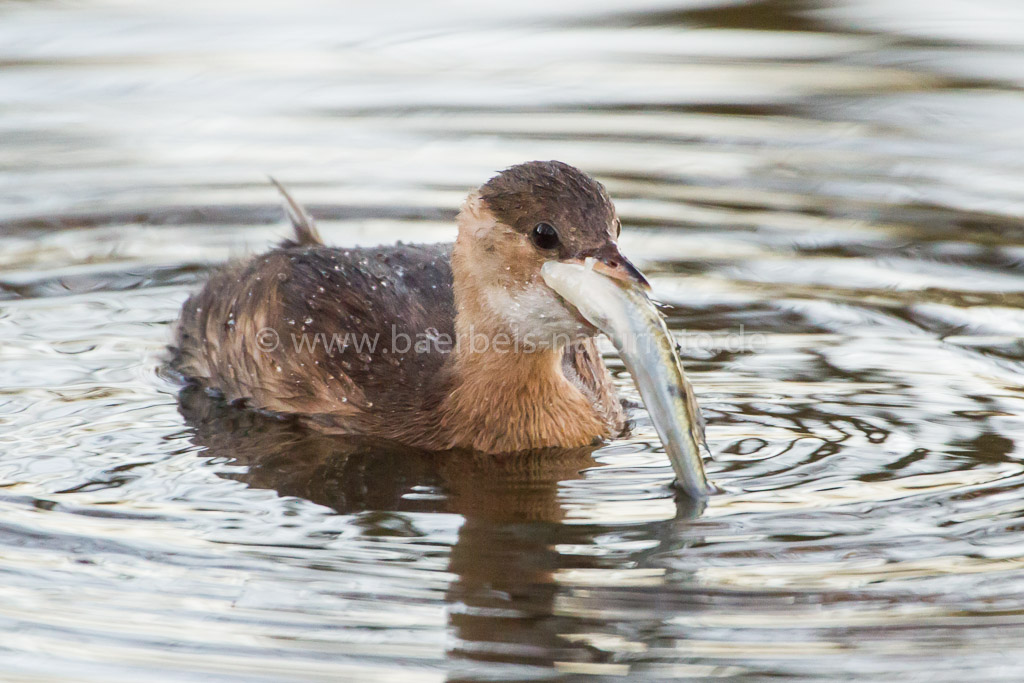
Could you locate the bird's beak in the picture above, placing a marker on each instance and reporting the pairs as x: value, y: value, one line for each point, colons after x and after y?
x: 608, y: 261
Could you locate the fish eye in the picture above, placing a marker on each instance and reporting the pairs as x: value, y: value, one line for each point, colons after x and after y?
x: 545, y: 236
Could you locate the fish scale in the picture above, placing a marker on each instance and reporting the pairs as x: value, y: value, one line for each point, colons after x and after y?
x: 633, y: 324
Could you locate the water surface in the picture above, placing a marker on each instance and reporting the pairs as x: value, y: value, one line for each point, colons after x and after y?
x: 826, y: 195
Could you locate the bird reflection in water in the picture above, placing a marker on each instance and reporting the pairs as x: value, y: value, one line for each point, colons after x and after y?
x: 503, y: 603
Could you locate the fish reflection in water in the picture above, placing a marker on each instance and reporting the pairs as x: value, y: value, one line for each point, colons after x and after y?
x: 505, y: 595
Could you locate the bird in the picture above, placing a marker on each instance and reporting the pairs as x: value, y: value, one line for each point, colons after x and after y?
x: 433, y: 346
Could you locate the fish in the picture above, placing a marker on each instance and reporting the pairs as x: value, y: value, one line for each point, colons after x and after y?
x: 627, y: 316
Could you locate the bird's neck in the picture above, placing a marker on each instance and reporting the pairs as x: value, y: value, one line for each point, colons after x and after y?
x: 506, y: 396
x: 502, y: 402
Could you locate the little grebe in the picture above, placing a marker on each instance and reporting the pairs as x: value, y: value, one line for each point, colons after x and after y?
x: 435, y: 346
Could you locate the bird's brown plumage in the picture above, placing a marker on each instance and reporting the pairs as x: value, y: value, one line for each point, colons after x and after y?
x: 376, y: 340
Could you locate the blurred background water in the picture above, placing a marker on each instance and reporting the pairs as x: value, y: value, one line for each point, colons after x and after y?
x: 840, y: 182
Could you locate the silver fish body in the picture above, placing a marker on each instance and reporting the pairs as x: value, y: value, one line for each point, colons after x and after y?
x: 633, y: 324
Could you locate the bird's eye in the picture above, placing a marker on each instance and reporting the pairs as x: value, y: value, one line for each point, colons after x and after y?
x: 618, y: 227
x: 545, y: 236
